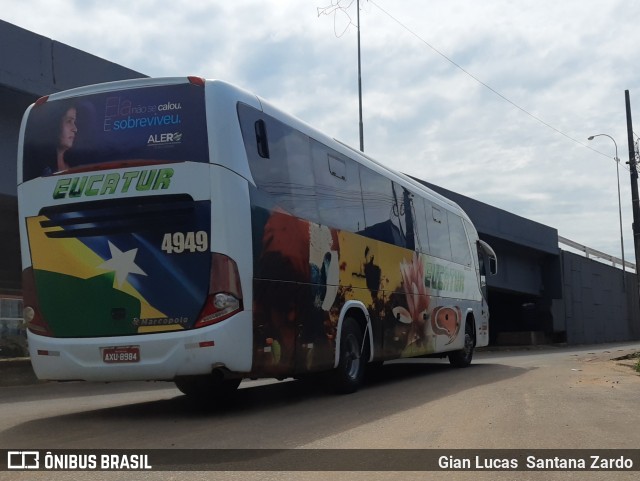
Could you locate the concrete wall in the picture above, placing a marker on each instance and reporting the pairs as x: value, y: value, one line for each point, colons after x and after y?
x: 10, y: 267
x: 13, y: 104
x: 38, y: 65
x: 594, y: 307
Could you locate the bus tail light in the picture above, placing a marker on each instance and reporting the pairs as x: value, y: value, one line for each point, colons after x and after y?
x: 196, y: 80
x: 41, y: 100
x: 225, y: 292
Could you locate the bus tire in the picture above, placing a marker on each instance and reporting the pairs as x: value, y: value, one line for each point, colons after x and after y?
x: 463, y: 357
x: 348, y: 376
x: 207, y: 387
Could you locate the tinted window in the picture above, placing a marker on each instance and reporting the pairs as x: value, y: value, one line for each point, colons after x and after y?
x: 337, y: 188
x: 437, y: 224
x: 420, y: 224
x: 460, y: 252
x: 382, y: 208
x: 164, y: 123
x: 286, y: 175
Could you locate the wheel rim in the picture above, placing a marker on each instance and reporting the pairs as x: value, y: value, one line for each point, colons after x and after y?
x: 468, y: 345
x: 352, y: 357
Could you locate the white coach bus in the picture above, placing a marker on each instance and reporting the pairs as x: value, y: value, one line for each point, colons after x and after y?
x: 183, y: 229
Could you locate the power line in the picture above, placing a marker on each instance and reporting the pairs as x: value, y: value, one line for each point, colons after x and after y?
x: 484, y: 84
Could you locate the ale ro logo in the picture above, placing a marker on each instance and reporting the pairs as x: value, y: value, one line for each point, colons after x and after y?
x: 23, y: 460
x: 165, y: 139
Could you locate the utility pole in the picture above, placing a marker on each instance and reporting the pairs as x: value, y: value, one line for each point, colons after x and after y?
x: 635, y: 202
x: 360, y: 83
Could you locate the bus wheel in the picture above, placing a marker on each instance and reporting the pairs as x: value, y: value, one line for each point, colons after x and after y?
x: 463, y: 357
x: 207, y: 387
x: 348, y: 376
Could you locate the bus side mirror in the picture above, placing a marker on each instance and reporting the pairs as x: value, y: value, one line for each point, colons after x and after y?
x: 489, y: 258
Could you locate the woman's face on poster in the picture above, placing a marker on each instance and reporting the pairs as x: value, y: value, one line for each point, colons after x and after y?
x: 68, y: 129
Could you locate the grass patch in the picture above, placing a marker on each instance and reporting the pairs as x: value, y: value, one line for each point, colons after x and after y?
x: 633, y: 357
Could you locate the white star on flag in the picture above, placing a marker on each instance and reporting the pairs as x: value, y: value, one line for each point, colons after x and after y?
x: 122, y: 263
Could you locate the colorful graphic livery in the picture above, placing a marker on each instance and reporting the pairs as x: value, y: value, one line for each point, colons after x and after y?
x: 186, y: 230
x: 109, y: 263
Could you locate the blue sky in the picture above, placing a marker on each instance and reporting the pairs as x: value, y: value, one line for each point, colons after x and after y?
x: 567, y: 63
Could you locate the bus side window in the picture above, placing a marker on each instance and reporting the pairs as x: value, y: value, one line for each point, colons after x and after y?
x: 337, y: 167
x: 280, y: 162
x: 381, y: 208
x: 337, y: 188
x: 420, y: 225
x: 460, y: 252
x: 438, y: 227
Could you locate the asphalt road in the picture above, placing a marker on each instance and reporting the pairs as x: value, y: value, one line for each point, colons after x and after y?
x: 554, y: 398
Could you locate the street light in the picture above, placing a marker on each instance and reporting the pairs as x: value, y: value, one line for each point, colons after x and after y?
x: 619, y: 202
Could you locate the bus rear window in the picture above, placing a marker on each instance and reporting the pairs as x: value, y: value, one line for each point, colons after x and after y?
x: 144, y: 125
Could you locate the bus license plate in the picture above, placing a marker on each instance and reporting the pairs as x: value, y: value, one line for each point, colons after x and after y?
x: 121, y: 354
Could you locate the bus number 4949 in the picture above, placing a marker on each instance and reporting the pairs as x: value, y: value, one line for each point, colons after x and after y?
x: 179, y: 242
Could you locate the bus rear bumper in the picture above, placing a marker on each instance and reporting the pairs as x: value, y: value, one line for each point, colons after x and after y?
x: 161, y: 356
